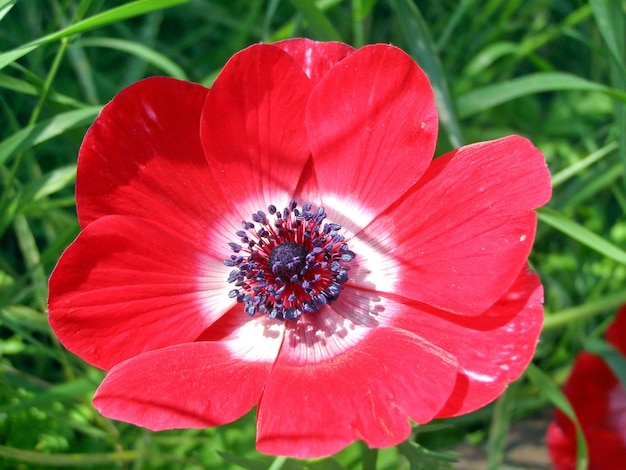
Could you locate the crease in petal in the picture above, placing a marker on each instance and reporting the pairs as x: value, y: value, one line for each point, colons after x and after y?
x: 253, y: 130
x: 492, y: 349
x: 126, y: 286
x: 189, y: 385
x: 358, y: 383
x: 314, y: 57
x: 145, y: 147
x: 459, y: 238
x: 365, y: 144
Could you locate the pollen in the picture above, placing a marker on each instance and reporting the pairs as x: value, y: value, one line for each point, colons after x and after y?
x: 288, y: 263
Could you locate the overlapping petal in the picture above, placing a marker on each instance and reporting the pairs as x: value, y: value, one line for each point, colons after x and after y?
x: 336, y: 382
x: 189, y: 385
x: 315, y: 58
x: 143, y: 157
x: 126, y: 286
x: 372, y: 127
x: 253, y: 131
x: 492, y: 349
x: 459, y: 238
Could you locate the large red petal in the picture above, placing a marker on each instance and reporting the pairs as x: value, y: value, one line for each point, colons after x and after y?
x: 191, y: 385
x: 126, y: 286
x: 339, y: 382
x: 315, y: 58
x: 143, y: 157
x: 253, y: 128
x: 492, y: 349
x: 372, y: 124
x: 461, y: 236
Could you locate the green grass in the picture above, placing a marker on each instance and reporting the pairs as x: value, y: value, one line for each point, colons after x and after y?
x: 551, y: 70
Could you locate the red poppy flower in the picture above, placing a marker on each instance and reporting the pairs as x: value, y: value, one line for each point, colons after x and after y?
x: 599, y: 401
x: 367, y: 285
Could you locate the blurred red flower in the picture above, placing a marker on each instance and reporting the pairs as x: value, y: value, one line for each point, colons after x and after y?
x: 367, y: 284
x: 599, y: 401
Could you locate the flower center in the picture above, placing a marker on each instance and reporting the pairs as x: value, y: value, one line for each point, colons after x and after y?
x: 292, y: 265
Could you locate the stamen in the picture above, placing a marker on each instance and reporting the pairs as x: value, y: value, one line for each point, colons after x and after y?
x: 293, y: 264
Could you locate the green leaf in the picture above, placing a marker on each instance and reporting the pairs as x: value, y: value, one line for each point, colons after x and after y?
x: 609, y: 15
x: 590, y: 309
x: 145, y: 53
x: 67, y: 460
x: 50, y: 183
x: 45, y: 130
x: 243, y: 462
x: 423, y: 49
x: 499, y: 428
x: 549, y: 390
x: 5, y: 7
x: 421, y: 458
x: 581, y: 234
x: 318, y: 22
x: 490, y: 96
x: 130, y: 10
x: 579, y: 166
x: 63, y: 392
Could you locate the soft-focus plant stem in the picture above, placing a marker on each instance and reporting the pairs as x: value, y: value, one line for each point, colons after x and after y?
x: 54, y: 68
x: 26, y: 239
x: 358, y: 39
x: 66, y: 460
x: 370, y: 456
x: 565, y: 317
x: 498, y: 430
x: 33, y: 119
x: 278, y: 463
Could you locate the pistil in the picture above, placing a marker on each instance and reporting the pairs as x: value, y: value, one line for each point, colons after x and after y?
x: 292, y: 265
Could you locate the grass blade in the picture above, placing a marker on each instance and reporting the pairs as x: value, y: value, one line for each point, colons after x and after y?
x: 318, y: 22
x: 140, y: 7
x: 490, y: 96
x: 422, y: 47
x: 33, y: 135
x: 609, y: 16
x: 581, y: 234
x: 5, y: 7
x: 145, y: 53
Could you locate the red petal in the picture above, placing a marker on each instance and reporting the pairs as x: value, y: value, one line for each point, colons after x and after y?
x: 599, y: 401
x: 253, y: 129
x: 190, y: 385
x: 143, y: 157
x: 315, y: 58
x: 460, y: 237
x: 372, y: 124
x: 332, y: 386
x: 492, y: 349
x: 126, y: 286
x: 562, y: 447
x: 616, y: 332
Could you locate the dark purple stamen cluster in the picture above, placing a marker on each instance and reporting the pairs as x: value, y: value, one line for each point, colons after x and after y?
x: 290, y: 266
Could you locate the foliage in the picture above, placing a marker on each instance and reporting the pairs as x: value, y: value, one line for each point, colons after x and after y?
x: 554, y: 71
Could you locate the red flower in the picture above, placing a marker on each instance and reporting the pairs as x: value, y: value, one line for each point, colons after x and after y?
x: 599, y: 401
x: 395, y: 287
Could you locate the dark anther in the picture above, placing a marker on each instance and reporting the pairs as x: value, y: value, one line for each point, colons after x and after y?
x: 290, y: 265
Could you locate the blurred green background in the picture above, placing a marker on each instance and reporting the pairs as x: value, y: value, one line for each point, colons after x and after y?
x: 551, y: 70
